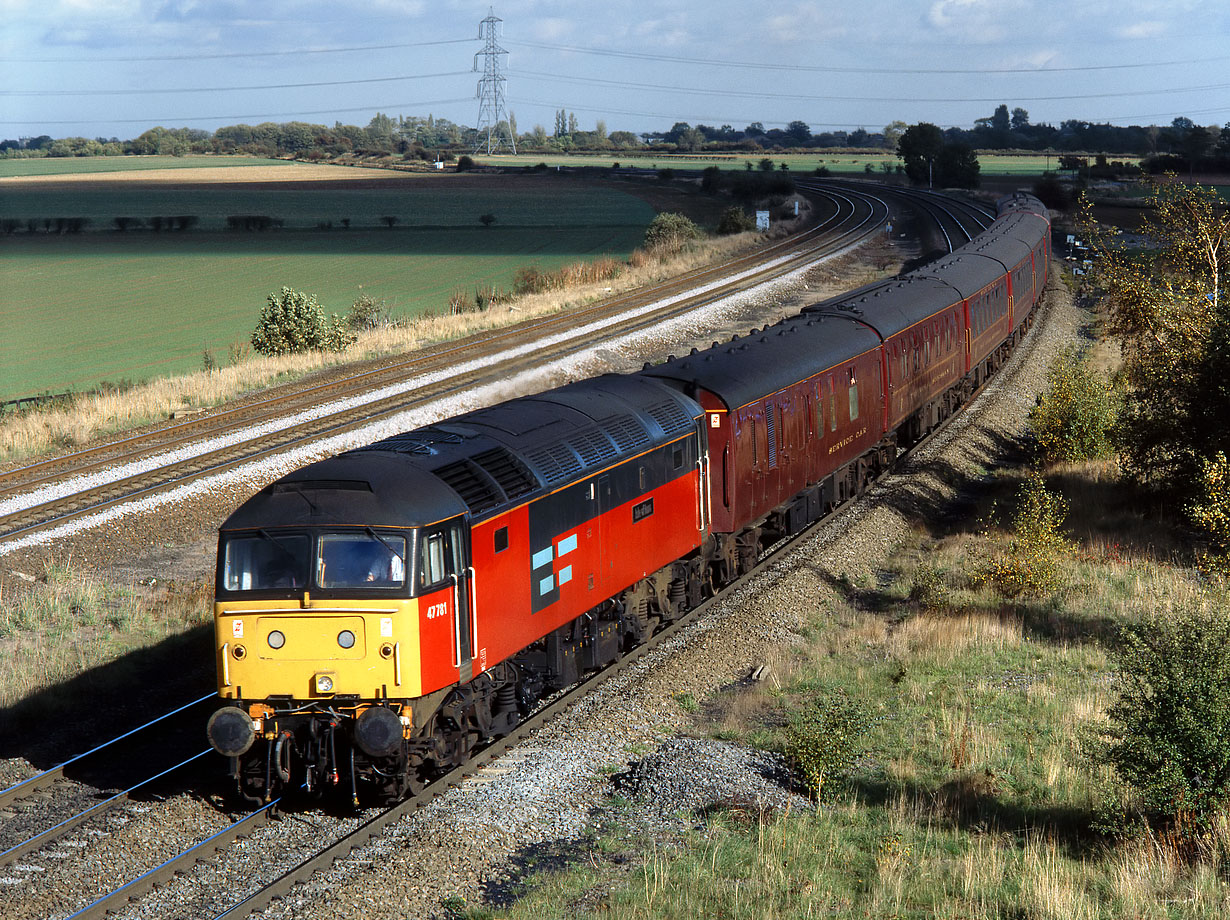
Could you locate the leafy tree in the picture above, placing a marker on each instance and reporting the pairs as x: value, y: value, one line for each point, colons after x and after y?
x: 486, y: 219
x: 919, y: 147
x: 958, y: 166
x: 799, y: 133
x: 1074, y: 418
x: 1167, y: 310
x: 735, y: 220
x: 892, y: 133
x: 293, y: 322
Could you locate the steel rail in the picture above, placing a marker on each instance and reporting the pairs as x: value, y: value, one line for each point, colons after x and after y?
x: 50, y: 776
x: 59, y: 830
x: 177, y: 864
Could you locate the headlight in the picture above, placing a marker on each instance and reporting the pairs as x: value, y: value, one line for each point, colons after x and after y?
x: 324, y: 683
x: 277, y: 639
x: 345, y: 639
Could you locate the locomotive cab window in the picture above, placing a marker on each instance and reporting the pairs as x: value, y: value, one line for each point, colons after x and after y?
x: 501, y: 536
x: 432, y: 560
x: 361, y: 560
x: 265, y: 562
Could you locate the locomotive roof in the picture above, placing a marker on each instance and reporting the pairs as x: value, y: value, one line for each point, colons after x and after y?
x: 751, y: 367
x: 481, y: 461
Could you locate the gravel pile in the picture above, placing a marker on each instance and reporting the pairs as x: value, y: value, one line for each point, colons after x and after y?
x: 697, y: 775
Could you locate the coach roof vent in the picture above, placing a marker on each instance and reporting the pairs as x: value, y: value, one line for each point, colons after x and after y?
x: 556, y: 462
x: 627, y: 432
x: 594, y: 447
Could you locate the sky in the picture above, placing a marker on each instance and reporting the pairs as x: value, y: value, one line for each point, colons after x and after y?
x: 114, y: 68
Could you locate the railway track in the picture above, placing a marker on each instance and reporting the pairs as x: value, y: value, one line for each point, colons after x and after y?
x: 372, y: 826
x: 39, y: 811
x: 40, y: 496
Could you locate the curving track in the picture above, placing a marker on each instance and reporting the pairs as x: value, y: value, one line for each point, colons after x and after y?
x: 42, y: 495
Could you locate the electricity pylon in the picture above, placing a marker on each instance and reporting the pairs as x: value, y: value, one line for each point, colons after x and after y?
x: 493, y: 126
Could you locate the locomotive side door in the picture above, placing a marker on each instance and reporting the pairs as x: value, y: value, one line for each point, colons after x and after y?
x: 445, y: 573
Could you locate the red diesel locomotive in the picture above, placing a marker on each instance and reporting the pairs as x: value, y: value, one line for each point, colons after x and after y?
x: 381, y: 612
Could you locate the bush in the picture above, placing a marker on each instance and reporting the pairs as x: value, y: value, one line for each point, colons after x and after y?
x: 1168, y: 736
x: 823, y: 741
x: 670, y: 232
x: 1031, y: 564
x: 1073, y: 420
x: 735, y: 220
x: 1211, y: 514
x: 464, y: 163
x: 293, y: 322
x: 367, y: 313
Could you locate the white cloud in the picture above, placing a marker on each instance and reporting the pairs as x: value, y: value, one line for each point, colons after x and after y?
x: 1148, y: 28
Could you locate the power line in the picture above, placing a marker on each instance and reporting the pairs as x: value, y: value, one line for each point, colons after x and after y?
x: 232, y: 55
x: 824, y: 68
x: 222, y: 89
x: 233, y: 119
x: 832, y: 98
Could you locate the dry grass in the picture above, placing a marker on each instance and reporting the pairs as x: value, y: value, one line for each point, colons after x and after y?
x: 977, y: 797
x: 71, y: 621
x: 35, y: 433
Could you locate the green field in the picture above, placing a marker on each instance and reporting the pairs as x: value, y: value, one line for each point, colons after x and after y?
x: 446, y: 201
x: 69, y: 166
x: 80, y: 309
x: 837, y: 163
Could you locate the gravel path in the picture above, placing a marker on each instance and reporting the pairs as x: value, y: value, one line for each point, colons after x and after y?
x: 627, y: 738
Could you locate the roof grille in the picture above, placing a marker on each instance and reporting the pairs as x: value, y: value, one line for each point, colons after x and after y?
x: 475, y: 489
x: 405, y: 443
x: 556, y: 462
x: 671, y: 417
x: 594, y: 447
x: 508, y: 473
x: 627, y: 432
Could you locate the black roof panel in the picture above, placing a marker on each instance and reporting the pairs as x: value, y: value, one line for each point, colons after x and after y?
x: 754, y: 366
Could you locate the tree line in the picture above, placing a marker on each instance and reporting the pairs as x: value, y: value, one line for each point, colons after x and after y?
x: 1182, y: 144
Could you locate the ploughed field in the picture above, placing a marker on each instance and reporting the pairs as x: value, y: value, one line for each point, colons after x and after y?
x: 81, y: 308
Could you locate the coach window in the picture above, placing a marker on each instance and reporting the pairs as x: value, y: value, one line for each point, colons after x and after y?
x: 853, y: 396
x: 832, y: 405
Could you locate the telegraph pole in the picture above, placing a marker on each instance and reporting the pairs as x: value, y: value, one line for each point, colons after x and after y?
x: 493, y: 126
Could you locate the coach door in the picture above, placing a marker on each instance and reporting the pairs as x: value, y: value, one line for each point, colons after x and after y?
x: 446, y: 579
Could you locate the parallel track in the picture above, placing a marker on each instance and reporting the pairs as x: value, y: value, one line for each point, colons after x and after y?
x: 371, y: 395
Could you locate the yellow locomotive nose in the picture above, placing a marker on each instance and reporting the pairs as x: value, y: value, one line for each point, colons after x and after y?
x: 318, y: 651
